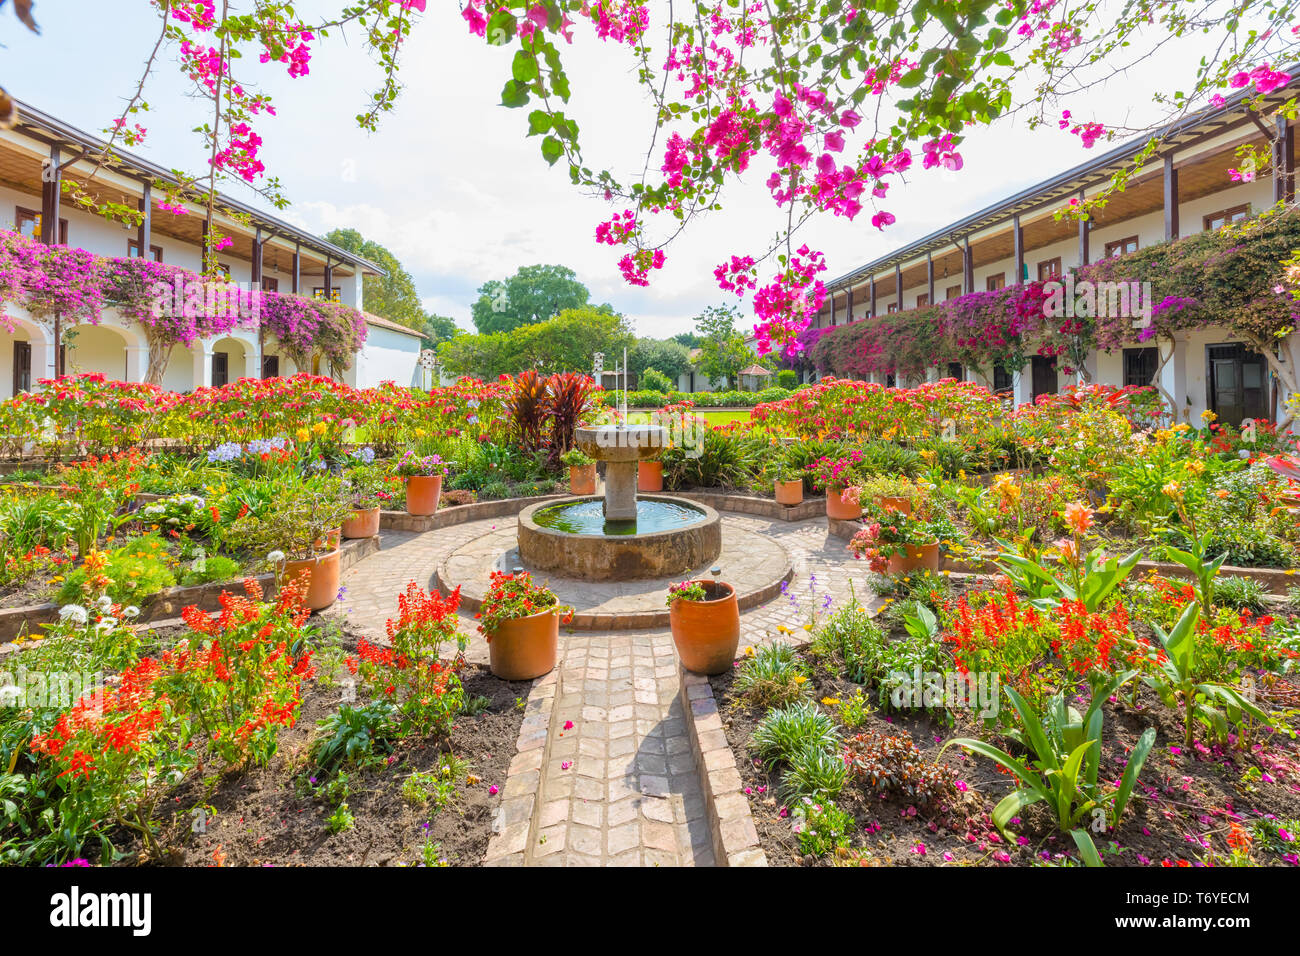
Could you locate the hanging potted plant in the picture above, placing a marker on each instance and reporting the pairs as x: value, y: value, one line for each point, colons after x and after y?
x: 896, y: 543
x: 705, y: 621
x: 837, y: 477
x: 582, y: 472
x: 787, y: 483
x: 363, y: 485
x: 423, y: 474
x: 521, y: 621
x: 297, y: 529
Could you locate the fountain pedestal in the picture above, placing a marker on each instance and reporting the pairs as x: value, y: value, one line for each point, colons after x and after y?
x: 621, y: 447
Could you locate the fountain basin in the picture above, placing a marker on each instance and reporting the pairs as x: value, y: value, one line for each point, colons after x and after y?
x: 574, y: 539
x: 620, y: 447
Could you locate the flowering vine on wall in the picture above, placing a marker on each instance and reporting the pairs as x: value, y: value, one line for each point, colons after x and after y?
x: 172, y: 306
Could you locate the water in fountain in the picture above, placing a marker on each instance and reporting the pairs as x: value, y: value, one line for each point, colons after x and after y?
x: 588, y: 517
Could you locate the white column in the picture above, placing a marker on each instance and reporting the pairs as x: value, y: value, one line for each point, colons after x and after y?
x: 137, y: 362
x: 1173, y: 377
x: 932, y: 375
x: 1023, y: 379
x: 202, y: 352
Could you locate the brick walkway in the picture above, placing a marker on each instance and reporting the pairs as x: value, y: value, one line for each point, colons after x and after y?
x: 604, y: 773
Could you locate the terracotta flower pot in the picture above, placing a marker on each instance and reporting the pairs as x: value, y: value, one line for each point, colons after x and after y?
x: 323, y: 586
x: 838, y: 508
x: 923, y: 557
x: 650, y: 476
x: 901, y: 505
x: 422, y: 494
x: 364, y: 523
x: 525, y: 647
x: 582, y: 479
x: 707, y: 633
x: 789, y: 492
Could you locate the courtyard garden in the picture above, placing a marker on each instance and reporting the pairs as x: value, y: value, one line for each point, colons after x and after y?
x: 287, y: 622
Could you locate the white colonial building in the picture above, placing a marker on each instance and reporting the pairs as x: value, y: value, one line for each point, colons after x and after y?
x: 1184, y: 189
x: 40, y: 152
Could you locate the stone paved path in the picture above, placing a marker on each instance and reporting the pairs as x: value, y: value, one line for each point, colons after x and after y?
x: 604, y: 773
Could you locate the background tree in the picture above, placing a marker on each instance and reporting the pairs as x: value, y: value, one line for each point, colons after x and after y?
x: 393, y: 296
x: 565, y: 343
x: 723, y: 352
x: 688, y: 339
x: 533, y: 294
x: 663, y: 355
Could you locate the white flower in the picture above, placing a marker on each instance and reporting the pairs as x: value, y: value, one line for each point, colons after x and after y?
x: 130, y: 612
x: 104, y: 600
x: 73, y: 612
x: 275, y: 557
x: 106, y: 625
x: 154, y: 510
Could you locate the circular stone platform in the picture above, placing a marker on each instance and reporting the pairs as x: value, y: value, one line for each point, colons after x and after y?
x: 754, y: 563
x: 652, y: 555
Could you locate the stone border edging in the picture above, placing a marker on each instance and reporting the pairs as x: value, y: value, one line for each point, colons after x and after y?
x: 513, y: 827
x: 636, y: 620
x: 760, y: 507
x: 735, y: 838
x: 459, y: 514
x: 1276, y: 580
x: 167, y: 604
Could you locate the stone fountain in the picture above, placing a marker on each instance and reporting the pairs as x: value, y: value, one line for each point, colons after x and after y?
x: 620, y: 536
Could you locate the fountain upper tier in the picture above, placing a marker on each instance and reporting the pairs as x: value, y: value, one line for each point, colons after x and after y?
x: 622, y: 442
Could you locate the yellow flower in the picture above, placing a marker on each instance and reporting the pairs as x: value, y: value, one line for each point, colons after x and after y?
x: 1172, y: 490
x: 1196, y: 466
x: 831, y: 701
x: 319, y: 428
x: 302, y: 434
x: 749, y: 651
x: 800, y: 679
x: 783, y: 629
x: 1208, y: 416
x: 807, y: 627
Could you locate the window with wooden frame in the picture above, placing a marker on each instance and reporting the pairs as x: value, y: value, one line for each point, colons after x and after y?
x: 1002, y: 380
x: 997, y: 280
x: 270, y: 284
x: 892, y: 307
x: 27, y: 222
x: 319, y: 293
x: 922, y: 300
x: 1217, y: 220
x: 133, y: 249
x: 1049, y: 269
x: 952, y: 292
x: 1121, y: 247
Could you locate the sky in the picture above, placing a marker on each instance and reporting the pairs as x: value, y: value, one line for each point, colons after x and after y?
x: 451, y: 184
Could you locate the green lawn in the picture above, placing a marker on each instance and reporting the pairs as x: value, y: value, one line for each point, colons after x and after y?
x: 711, y: 415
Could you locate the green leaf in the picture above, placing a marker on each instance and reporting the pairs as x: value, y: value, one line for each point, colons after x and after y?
x: 552, y: 150
x: 539, y: 122
x: 524, y: 67
x: 1087, y: 849
x: 1135, y: 761
x: 514, y: 94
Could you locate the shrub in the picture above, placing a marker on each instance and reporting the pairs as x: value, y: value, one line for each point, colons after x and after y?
x: 813, y: 771
x: 772, y: 675
x: 207, y: 570
x: 887, y: 763
x: 652, y: 380
x: 784, y: 731
x: 787, y: 378
x: 243, y: 682
x: 409, y: 672
x: 127, y: 575
x: 1237, y: 593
